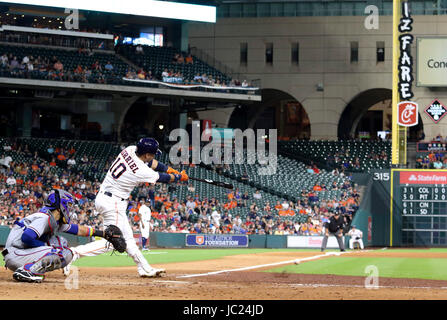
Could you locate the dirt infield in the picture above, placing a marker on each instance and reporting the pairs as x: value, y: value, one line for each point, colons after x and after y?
x: 123, y: 283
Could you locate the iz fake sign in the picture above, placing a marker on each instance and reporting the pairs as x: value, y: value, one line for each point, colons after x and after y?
x: 405, y: 60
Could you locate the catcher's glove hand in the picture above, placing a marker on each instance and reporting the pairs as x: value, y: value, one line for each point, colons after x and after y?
x: 114, y: 235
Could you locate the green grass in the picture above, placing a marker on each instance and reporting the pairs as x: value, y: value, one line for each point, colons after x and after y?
x: 441, y: 250
x: 162, y: 256
x: 421, y: 268
x: 418, y: 268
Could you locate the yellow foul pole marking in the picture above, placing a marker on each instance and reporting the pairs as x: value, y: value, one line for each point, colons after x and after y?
x: 395, y: 95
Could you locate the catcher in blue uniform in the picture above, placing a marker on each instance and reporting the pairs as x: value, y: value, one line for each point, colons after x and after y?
x: 32, y: 248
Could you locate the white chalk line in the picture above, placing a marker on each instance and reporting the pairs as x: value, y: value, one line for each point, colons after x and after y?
x: 316, y: 285
x: 266, y: 265
x: 173, y: 281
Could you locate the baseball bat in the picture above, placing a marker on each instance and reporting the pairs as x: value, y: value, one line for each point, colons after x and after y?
x: 216, y: 183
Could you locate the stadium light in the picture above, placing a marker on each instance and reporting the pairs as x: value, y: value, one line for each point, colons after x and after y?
x: 149, y: 8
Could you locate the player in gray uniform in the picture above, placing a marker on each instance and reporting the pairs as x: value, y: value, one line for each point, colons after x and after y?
x: 32, y: 248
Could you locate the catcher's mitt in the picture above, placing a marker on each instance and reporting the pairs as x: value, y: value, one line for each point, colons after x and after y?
x: 114, y: 235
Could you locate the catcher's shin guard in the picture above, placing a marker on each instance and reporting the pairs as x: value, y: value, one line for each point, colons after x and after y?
x: 51, y: 261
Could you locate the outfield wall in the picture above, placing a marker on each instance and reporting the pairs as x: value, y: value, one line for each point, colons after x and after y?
x: 181, y: 240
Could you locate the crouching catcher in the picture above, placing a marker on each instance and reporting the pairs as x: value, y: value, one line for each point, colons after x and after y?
x: 33, y: 248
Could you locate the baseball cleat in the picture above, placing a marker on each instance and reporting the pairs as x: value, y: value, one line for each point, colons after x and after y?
x: 153, y: 273
x: 23, y: 275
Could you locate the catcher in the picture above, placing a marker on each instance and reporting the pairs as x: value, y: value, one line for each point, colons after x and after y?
x: 32, y: 248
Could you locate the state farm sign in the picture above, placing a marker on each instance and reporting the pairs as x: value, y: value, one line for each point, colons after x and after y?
x: 429, y: 177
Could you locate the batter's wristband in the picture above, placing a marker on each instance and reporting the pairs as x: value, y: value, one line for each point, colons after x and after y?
x: 98, y: 233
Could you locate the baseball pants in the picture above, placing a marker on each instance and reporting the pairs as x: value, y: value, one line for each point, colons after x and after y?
x: 144, y: 232
x: 17, y: 258
x: 113, y: 211
x: 338, y: 235
x: 352, y: 241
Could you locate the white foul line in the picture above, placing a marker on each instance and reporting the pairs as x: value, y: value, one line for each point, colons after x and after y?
x: 264, y: 265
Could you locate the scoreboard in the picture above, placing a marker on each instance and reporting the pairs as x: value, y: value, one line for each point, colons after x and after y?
x: 419, y: 207
x: 423, y: 200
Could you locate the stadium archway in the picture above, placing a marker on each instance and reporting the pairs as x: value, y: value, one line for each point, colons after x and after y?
x: 368, y: 113
x: 277, y: 110
x: 142, y: 119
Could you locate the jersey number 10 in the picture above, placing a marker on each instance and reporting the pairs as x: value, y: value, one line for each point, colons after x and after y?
x: 117, y: 170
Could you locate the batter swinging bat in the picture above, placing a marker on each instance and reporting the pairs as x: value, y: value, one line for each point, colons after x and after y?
x: 216, y: 183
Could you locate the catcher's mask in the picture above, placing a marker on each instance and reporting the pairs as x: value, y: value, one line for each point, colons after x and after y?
x: 61, y: 199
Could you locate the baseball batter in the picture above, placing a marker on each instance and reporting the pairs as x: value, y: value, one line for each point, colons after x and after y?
x: 32, y: 249
x: 135, y: 165
x: 144, y: 213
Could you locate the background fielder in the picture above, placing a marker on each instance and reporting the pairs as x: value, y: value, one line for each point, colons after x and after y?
x: 144, y: 213
x: 356, y: 237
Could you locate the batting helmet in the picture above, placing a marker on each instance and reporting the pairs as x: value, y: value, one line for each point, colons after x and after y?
x: 61, y: 199
x: 148, y: 145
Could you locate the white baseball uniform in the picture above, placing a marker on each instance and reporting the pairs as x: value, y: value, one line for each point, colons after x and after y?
x: 126, y: 172
x: 355, y: 233
x: 145, y: 214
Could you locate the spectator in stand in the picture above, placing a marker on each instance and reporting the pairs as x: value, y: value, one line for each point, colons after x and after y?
x: 58, y: 66
x: 96, y: 66
x: 197, y: 78
x: 4, y: 60
x: 108, y: 66
x: 438, y: 164
x: 11, y: 181
x: 25, y: 59
x: 189, y: 59
x: 50, y: 150
x: 14, y: 64
x: 139, y: 49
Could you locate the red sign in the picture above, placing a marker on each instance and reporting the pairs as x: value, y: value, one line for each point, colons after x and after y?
x: 418, y: 177
x: 407, y: 114
x: 369, y: 229
x: 315, y: 241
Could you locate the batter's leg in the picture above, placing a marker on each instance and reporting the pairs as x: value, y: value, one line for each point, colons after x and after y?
x: 144, y: 268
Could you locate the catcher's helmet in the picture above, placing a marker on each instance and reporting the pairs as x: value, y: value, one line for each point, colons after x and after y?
x: 61, y: 199
x: 148, y: 145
